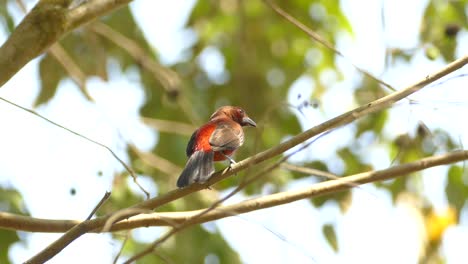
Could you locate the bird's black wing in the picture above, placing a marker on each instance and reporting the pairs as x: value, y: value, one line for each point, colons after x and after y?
x: 191, y: 144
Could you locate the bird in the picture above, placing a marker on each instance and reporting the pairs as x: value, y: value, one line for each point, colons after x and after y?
x: 214, y: 141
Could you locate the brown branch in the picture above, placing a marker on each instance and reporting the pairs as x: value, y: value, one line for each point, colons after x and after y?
x: 32, y: 36
x: 187, y: 219
x: 311, y: 171
x: 127, y: 168
x: 104, y: 198
x: 319, y: 189
x: 44, y: 25
x: 168, y: 78
x: 60, y: 54
x: 168, y: 126
x: 70, y: 66
x: 338, y: 121
x: 157, y: 162
x: 29, y: 224
x: 90, y: 10
x: 182, y: 220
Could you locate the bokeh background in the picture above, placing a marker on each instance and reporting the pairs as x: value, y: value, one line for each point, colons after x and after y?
x: 141, y: 79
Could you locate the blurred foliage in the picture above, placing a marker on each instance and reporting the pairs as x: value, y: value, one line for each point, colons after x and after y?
x: 10, y: 201
x: 330, y: 235
x: 262, y: 55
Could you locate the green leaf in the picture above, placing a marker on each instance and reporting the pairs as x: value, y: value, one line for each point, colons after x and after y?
x: 50, y: 73
x: 328, y: 231
x: 457, y: 187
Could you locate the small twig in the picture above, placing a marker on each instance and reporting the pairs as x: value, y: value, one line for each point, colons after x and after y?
x: 157, y: 162
x: 101, y: 202
x: 168, y: 78
x: 320, y: 173
x: 127, y: 235
x: 127, y: 168
x: 311, y: 171
x: 322, y: 41
x: 70, y: 66
x: 172, y: 127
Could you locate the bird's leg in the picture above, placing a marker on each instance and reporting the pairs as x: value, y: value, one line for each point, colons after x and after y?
x: 231, y: 160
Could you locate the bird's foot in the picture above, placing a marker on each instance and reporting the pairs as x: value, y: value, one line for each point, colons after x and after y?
x: 231, y: 161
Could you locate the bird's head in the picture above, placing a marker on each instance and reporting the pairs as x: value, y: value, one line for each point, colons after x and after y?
x: 235, y: 113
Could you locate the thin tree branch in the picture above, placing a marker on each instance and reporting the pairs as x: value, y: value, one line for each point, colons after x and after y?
x: 127, y: 168
x: 169, y: 126
x: 322, y: 41
x: 333, y: 186
x: 168, y: 78
x: 246, y: 181
x: 30, y: 224
x: 70, y: 66
x: 311, y: 171
x: 157, y: 162
x: 116, y: 258
x: 104, y: 198
x: 338, y: 121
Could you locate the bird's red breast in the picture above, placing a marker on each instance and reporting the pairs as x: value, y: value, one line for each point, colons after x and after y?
x: 221, y: 135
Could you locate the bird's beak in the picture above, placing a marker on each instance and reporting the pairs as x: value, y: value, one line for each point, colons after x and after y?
x: 246, y: 121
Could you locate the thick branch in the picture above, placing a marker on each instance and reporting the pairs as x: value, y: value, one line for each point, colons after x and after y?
x: 91, y: 10
x: 38, y: 30
x: 22, y: 223
x: 47, y: 22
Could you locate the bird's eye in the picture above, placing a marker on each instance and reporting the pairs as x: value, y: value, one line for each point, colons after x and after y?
x: 241, y: 111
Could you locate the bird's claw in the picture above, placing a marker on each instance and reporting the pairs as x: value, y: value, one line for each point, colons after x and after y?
x: 231, y: 161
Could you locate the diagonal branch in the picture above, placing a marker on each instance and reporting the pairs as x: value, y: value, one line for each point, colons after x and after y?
x: 315, y: 36
x: 29, y: 224
x: 167, y: 77
x: 338, y: 121
x: 44, y: 25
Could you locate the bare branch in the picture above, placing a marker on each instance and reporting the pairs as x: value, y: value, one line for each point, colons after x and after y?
x: 338, y: 121
x: 91, y: 10
x: 23, y: 223
x: 311, y: 171
x: 333, y: 186
x: 157, y: 162
x: 127, y: 168
x: 322, y: 41
x: 168, y: 78
x: 116, y: 258
x: 101, y: 202
x: 70, y: 66
x: 170, y: 126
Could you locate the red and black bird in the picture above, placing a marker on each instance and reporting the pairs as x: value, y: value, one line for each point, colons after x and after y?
x: 214, y: 141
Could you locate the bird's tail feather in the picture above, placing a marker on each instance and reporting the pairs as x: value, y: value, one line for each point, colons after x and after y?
x: 199, y: 168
